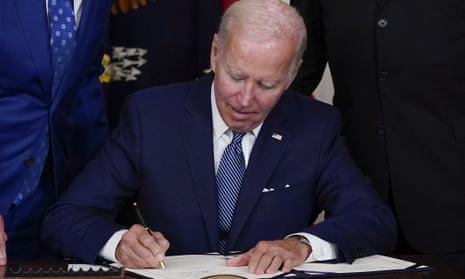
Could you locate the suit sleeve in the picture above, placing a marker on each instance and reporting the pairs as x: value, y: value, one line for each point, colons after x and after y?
x: 355, y: 217
x: 83, y: 219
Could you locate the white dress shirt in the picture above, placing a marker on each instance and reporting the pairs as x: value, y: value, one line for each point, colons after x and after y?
x: 222, y: 136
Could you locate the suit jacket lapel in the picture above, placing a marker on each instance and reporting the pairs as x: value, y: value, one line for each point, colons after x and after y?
x: 266, y: 153
x: 33, y: 16
x: 196, y: 124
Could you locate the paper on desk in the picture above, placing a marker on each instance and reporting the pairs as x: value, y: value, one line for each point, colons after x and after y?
x: 198, y: 266
x: 194, y: 267
x: 373, y: 263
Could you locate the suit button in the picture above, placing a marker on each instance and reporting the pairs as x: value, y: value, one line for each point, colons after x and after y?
x: 28, y: 162
x: 381, y: 130
x: 382, y: 23
x: 383, y: 76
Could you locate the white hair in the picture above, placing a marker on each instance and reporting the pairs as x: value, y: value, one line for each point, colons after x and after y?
x: 265, y: 19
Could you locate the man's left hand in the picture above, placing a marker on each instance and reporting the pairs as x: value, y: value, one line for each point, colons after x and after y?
x: 269, y: 257
x: 3, y: 239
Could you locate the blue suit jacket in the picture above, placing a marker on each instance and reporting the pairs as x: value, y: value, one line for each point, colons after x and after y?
x: 75, y: 116
x: 161, y: 155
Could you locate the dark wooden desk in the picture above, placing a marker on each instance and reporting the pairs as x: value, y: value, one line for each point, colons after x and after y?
x: 55, y: 269
x: 442, y: 270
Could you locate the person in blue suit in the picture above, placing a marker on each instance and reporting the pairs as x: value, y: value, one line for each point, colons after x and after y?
x: 166, y: 149
x: 49, y: 127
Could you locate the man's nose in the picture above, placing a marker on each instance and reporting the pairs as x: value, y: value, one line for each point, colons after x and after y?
x: 247, y: 94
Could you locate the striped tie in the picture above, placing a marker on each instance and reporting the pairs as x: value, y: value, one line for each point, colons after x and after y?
x: 228, y: 182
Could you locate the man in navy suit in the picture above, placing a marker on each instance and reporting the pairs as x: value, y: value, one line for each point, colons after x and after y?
x: 167, y: 147
x: 50, y: 127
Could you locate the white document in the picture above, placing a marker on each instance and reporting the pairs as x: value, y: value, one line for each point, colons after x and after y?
x: 375, y: 263
x: 199, y: 266
x: 194, y: 267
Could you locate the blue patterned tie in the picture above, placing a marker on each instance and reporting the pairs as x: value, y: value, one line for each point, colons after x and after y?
x: 228, y: 182
x: 62, y: 37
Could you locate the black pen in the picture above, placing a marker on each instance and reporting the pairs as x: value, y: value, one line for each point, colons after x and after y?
x: 162, y: 263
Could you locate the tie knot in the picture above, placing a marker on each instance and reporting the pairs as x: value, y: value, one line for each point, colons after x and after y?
x: 237, y: 137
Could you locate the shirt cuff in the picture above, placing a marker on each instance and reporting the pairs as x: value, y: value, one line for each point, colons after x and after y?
x: 109, y: 249
x: 322, y: 250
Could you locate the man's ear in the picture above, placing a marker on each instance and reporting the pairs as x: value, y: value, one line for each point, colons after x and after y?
x: 213, y: 52
x: 294, y: 74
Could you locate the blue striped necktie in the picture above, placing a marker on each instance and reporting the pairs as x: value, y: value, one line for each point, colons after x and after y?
x: 228, y: 182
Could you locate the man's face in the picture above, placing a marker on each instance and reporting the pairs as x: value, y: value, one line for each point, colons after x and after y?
x: 250, y: 77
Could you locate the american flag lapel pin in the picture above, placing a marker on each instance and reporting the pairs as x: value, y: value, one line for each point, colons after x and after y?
x: 277, y: 136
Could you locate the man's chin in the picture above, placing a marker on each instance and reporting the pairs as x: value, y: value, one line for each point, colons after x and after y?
x: 241, y: 127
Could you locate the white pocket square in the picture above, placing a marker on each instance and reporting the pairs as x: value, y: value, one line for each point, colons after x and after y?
x: 271, y: 189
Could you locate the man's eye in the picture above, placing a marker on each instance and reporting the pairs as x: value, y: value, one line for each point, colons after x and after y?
x: 237, y: 78
x: 266, y: 86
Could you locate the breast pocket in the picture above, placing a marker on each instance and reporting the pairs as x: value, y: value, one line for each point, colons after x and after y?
x: 285, y: 192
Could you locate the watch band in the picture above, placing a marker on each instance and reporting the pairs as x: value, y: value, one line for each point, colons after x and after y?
x: 304, y: 240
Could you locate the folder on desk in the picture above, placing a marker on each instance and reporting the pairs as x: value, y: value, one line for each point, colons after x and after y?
x: 376, y: 264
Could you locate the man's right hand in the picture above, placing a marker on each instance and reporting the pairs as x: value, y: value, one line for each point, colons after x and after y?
x: 139, y: 249
x: 3, y: 239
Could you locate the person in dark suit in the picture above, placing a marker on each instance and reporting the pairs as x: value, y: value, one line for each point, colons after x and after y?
x: 399, y: 79
x: 49, y: 127
x: 167, y: 148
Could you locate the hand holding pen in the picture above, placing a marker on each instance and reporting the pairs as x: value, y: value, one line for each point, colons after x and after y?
x: 141, y: 247
x: 142, y: 220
